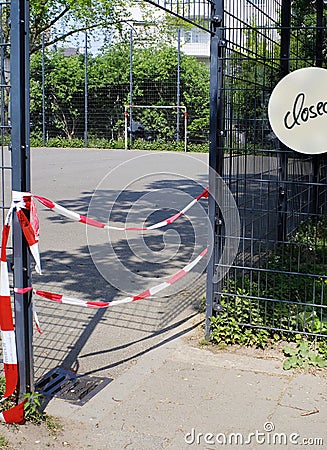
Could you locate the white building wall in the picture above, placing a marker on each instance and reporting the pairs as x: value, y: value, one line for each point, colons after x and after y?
x: 196, y: 42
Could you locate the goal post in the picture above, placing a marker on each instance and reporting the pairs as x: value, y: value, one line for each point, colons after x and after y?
x: 128, y: 113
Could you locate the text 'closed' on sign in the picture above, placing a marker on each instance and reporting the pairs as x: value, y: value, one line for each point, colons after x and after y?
x: 298, y: 110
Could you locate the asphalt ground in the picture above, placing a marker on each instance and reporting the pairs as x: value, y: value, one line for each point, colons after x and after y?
x: 126, y: 187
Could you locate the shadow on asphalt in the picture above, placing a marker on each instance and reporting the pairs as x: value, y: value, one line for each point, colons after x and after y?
x: 70, y: 331
x: 152, y: 347
x: 74, y: 335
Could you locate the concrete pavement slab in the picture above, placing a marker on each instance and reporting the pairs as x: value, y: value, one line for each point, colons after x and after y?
x: 178, y: 396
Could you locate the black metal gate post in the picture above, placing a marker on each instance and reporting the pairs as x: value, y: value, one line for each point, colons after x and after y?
x: 130, y: 111
x: 285, y: 41
x: 317, y: 159
x: 216, y: 146
x: 44, y: 136
x: 86, y: 90
x: 20, y: 137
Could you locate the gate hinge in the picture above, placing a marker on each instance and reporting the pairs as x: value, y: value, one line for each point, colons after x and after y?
x: 217, y: 19
x: 217, y: 306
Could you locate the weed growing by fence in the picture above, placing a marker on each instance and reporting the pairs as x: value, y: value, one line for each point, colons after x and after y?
x: 302, y: 356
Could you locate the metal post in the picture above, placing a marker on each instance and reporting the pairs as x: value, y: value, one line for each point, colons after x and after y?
x: 2, y: 93
x: 130, y: 86
x: 216, y: 148
x: 178, y: 96
x: 126, y: 126
x: 20, y: 137
x: 86, y: 92
x: 320, y: 32
x: 316, y: 159
x: 185, y: 128
x: 44, y: 139
x: 285, y: 41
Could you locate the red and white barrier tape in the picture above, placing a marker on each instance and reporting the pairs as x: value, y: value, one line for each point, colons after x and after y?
x: 94, y: 223
x: 30, y: 227
x: 59, y: 298
x: 30, y: 231
x: 6, y: 317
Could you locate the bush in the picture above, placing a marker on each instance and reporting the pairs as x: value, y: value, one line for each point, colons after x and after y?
x: 95, y: 142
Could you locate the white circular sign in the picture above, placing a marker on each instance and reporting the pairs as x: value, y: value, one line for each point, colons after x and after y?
x: 297, y: 110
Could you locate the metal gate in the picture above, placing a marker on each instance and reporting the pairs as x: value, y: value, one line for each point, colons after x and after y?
x: 278, y: 278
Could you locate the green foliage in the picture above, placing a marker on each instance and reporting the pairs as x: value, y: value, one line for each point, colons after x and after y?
x: 60, y: 19
x: 290, y: 296
x: 302, y: 356
x: 229, y: 325
x: 9, y: 402
x: 254, y: 75
x: 3, y: 442
x: 2, y: 385
x: 64, y: 88
x: 154, y: 72
x: 95, y: 142
x: 34, y: 413
x: 303, y: 40
x: 32, y: 408
x: 322, y: 347
x: 52, y: 424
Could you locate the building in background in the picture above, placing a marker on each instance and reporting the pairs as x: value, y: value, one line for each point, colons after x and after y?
x: 196, y: 41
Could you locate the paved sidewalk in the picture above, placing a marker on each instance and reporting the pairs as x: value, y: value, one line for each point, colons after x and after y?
x: 179, y: 396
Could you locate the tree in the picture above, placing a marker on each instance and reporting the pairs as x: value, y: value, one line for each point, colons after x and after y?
x: 60, y: 19
x: 305, y: 34
x: 64, y: 89
x: 252, y: 74
x: 154, y: 79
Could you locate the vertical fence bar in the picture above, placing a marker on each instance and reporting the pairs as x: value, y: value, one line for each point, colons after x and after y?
x: 185, y: 128
x: 86, y: 91
x: 2, y: 94
x: 216, y: 149
x: 126, y: 126
x: 316, y: 159
x: 178, y: 95
x: 283, y: 156
x: 19, y: 60
x: 5, y: 168
x: 44, y: 138
x: 319, y: 32
x: 130, y: 87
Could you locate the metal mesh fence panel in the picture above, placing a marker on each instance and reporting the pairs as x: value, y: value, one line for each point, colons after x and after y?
x: 77, y: 93
x: 278, y: 278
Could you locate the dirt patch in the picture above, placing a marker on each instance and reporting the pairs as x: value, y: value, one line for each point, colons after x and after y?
x: 32, y: 436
